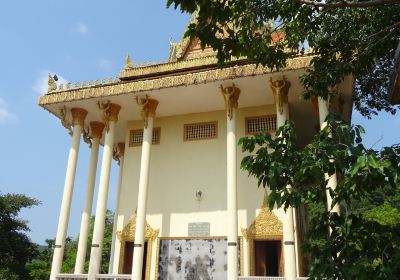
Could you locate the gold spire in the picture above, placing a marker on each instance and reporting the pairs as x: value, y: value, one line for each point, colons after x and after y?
x: 128, y: 62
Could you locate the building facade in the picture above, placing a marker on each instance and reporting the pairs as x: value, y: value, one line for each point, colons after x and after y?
x: 185, y: 209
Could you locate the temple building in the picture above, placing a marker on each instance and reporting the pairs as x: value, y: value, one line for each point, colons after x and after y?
x: 185, y: 209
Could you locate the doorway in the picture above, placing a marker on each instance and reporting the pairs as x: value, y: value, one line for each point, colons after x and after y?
x: 128, y: 259
x: 267, y: 257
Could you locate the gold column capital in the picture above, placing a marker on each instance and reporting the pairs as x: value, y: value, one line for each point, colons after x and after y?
x: 96, y: 129
x: 78, y: 116
x: 231, y: 97
x: 109, y: 111
x: 280, y: 89
x: 148, y: 107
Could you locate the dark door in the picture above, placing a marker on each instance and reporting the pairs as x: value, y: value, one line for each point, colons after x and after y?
x: 267, y: 257
x: 128, y: 259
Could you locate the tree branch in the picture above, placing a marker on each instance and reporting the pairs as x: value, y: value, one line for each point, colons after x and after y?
x: 348, y: 4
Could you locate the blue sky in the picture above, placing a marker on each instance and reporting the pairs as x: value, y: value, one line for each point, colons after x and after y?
x: 79, y: 40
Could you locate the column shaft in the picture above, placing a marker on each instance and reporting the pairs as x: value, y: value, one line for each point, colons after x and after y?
x: 137, y: 265
x: 232, y: 197
x: 112, y: 269
x: 101, y: 207
x: 332, y: 180
x: 289, y: 249
x: 66, y: 202
x: 85, y: 221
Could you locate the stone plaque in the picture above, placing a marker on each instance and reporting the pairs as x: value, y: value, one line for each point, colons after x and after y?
x: 198, y: 229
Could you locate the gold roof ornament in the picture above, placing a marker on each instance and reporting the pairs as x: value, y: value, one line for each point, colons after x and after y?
x: 52, y: 85
x: 128, y: 62
x: 266, y: 224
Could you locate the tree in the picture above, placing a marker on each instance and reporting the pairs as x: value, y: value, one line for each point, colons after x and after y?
x: 364, y: 241
x: 16, y: 248
x: 39, y: 269
x: 356, y: 38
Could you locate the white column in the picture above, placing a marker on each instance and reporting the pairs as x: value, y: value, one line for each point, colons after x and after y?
x: 96, y: 134
x: 101, y: 207
x: 148, y: 108
x: 231, y: 96
x: 332, y: 180
x: 280, y: 89
x: 121, y: 151
x: 78, y: 116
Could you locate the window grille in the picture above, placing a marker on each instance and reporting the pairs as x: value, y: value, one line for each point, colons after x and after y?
x: 200, y: 131
x: 260, y: 124
x: 136, y: 137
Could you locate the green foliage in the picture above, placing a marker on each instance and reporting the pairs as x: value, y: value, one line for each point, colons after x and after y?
x: 39, y: 269
x: 361, y: 243
x: 346, y: 41
x: 16, y: 249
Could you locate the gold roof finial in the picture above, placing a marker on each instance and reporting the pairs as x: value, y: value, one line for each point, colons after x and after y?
x: 128, y: 62
x: 52, y: 84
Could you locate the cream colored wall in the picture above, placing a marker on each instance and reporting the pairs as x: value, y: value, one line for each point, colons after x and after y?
x: 179, y: 168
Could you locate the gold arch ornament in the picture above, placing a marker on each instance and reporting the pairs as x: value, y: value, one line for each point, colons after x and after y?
x: 128, y: 235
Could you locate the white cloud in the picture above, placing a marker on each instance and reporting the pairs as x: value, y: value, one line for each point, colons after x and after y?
x: 5, y: 114
x: 104, y: 64
x: 41, y: 84
x: 81, y: 28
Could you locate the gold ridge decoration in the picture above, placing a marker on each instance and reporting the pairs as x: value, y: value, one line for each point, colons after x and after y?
x: 231, y: 96
x: 266, y: 224
x: 187, y: 79
x: 128, y: 62
x: 147, y: 108
x: 52, y: 85
x: 280, y: 89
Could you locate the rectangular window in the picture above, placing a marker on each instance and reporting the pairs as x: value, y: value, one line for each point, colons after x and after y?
x: 136, y: 137
x: 260, y: 124
x: 200, y: 131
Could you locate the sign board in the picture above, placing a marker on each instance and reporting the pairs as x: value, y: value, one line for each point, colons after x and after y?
x: 198, y: 229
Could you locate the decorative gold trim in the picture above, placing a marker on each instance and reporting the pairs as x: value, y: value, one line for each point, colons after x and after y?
x: 64, y: 121
x: 113, y: 89
x: 266, y: 224
x: 280, y: 89
x: 186, y: 125
x: 147, y: 108
x: 198, y: 238
x: 128, y: 234
x: 52, y: 85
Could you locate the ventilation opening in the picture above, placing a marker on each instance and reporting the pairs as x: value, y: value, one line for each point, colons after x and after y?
x: 260, y: 124
x: 136, y: 137
x: 200, y: 131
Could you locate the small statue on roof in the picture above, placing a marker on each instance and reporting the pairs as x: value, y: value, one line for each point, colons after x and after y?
x: 52, y: 83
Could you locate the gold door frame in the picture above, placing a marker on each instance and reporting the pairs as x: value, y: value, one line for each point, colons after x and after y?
x: 128, y: 234
x: 266, y: 226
